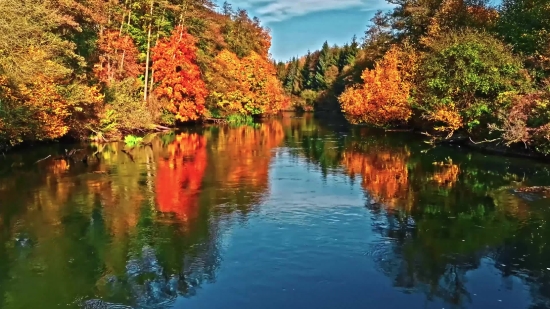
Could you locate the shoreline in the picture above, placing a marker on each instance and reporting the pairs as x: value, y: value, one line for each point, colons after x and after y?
x: 335, y: 117
x: 463, y: 141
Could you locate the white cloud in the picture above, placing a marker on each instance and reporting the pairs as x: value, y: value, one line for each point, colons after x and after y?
x: 279, y: 10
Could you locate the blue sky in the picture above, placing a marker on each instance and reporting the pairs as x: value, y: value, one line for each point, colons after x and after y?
x: 299, y: 25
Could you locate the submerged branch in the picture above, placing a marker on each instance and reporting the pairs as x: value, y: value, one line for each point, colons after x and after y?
x: 42, y: 159
x: 484, y: 141
x: 129, y: 155
x: 158, y: 127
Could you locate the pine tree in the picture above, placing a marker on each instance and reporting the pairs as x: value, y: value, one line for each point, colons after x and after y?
x: 321, y: 68
x: 305, y: 72
x: 291, y: 75
x: 353, y: 50
x: 343, y: 58
x: 297, y: 87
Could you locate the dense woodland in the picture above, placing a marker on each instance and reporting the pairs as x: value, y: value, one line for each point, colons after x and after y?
x: 98, y: 68
x: 102, y: 69
x: 448, y: 68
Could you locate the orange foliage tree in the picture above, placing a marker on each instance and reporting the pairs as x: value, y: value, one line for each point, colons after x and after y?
x: 48, y: 107
x: 383, y: 98
x: 181, y: 88
x: 179, y: 178
x: 118, y: 57
x: 246, y: 86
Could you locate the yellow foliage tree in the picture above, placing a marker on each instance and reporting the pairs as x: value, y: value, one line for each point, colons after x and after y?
x: 384, y: 96
x: 247, y: 86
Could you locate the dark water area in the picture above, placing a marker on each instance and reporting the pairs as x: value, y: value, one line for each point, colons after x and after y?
x: 291, y: 213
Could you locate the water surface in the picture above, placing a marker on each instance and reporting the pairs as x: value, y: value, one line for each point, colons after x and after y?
x: 290, y: 213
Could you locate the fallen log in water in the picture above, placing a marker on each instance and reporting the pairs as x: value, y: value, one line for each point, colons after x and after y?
x: 216, y: 120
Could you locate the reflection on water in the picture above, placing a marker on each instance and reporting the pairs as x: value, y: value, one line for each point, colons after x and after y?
x: 290, y: 212
x: 179, y: 176
x: 384, y: 172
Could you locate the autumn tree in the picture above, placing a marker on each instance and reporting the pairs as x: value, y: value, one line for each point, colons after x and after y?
x: 118, y: 57
x: 461, y: 78
x: 383, y: 98
x: 247, y: 86
x: 43, y: 96
x: 269, y: 96
x: 181, y: 88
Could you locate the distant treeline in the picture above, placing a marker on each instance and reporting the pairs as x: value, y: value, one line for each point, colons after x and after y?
x: 445, y: 67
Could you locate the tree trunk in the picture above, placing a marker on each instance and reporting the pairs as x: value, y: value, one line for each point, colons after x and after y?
x: 120, y: 34
x: 148, y: 53
x: 152, y: 80
x: 121, y: 24
x: 122, y: 60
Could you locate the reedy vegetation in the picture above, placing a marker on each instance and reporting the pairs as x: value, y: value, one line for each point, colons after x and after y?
x: 112, y: 67
x: 440, y: 66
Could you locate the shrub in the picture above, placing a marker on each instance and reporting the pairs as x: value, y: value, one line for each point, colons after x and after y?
x: 525, y: 120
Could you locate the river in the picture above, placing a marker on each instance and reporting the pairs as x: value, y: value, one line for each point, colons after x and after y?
x: 292, y: 212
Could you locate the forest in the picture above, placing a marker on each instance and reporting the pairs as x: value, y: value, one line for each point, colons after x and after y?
x: 101, y: 70
x: 94, y: 69
x: 450, y: 69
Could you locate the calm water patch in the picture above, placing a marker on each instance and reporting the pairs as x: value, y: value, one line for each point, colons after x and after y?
x: 291, y: 213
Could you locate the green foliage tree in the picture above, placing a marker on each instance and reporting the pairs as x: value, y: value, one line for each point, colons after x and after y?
x: 292, y: 81
x: 461, y: 77
x: 526, y: 25
x: 306, y: 72
x: 325, y: 60
x: 281, y: 70
x: 244, y: 35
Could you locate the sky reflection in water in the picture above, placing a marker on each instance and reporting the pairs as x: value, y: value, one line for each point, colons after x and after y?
x: 293, y: 213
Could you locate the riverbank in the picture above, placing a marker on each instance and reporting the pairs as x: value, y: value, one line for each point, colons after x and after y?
x: 334, y: 119
x: 487, y: 147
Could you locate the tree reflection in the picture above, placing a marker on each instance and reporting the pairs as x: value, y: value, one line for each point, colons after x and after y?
x: 441, y: 217
x: 136, y: 226
x: 316, y: 144
x: 238, y: 167
x: 142, y: 225
x: 179, y: 177
x: 438, y: 212
x: 384, y: 172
